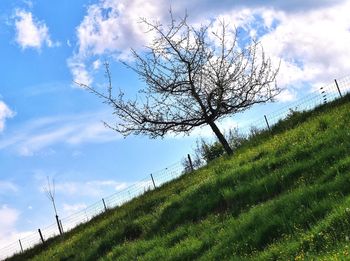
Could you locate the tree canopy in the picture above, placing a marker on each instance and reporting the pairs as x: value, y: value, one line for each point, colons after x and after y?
x: 194, y: 76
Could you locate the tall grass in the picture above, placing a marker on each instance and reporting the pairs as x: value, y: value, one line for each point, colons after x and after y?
x: 284, y: 196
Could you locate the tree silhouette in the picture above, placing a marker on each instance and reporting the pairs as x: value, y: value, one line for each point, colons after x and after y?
x: 194, y: 77
x: 50, y: 192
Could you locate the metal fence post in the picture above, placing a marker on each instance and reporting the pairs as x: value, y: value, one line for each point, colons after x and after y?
x: 154, y: 184
x: 20, y: 243
x: 267, y: 123
x: 336, y: 84
x: 41, y: 236
x: 190, y: 162
x: 104, y: 204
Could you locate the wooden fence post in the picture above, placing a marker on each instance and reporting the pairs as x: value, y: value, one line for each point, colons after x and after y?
x: 336, y: 84
x: 154, y: 184
x: 190, y: 161
x: 20, y: 244
x: 61, y: 226
x: 104, y: 204
x: 267, y: 123
x: 41, y: 236
x: 58, y: 225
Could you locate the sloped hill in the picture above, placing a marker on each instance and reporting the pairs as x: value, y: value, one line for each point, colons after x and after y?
x: 284, y: 196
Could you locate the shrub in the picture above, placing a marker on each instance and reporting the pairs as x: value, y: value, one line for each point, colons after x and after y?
x: 206, y: 152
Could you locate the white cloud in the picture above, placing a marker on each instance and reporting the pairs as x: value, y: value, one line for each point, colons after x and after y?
x: 8, y: 232
x: 8, y: 219
x: 37, y: 136
x: 43, y: 140
x: 96, y: 132
x: 70, y: 209
x: 202, y: 8
x: 111, y: 27
x: 286, y: 95
x: 313, y: 45
x: 79, y: 72
x: 7, y: 186
x: 308, y: 38
x: 94, y: 188
x: 31, y: 33
x: 5, y: 113
x: 96, y: 64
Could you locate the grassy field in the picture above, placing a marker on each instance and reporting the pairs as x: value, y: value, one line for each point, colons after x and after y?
x: 284, y: 195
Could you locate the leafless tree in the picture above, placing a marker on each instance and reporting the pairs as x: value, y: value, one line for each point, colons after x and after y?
x: 194, y: 76
x: 50, y: 193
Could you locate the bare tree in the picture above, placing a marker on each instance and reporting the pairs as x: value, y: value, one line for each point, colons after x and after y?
x: 50, y: 193
x: 193, y: 77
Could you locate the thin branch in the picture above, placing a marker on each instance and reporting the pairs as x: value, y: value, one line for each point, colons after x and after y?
x: 190, y: 81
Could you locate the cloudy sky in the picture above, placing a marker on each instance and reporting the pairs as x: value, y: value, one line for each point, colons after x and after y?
x: 50, y: 127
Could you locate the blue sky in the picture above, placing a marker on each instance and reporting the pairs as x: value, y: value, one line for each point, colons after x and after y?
x: 50, y: 127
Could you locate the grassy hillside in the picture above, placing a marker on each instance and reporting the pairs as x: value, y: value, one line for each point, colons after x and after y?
x: 282, y: 196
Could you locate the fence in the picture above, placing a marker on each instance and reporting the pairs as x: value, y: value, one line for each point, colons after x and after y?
x: 325, y: 94
x: 154, y: 180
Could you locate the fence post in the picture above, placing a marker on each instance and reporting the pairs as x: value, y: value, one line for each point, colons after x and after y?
x: 104, y: 204
x: 154, y: 184
x: 267, y: 123
x: 336, y: 84
x: 190, y: 161
x: 61, y: 226
x: 58, y: 225
x: 41, y: 236
x: 20, y: 243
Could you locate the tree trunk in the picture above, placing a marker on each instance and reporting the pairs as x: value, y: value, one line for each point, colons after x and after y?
x: 221, y: 138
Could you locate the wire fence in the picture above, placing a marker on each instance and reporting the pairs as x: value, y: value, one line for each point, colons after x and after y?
x: 119, y: 198
x: 322, y: 95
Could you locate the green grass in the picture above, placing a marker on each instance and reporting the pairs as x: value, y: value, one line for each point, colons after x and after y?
x: 284, y: 196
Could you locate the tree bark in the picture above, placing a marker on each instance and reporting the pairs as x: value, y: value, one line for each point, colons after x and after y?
x: 221, y: 138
